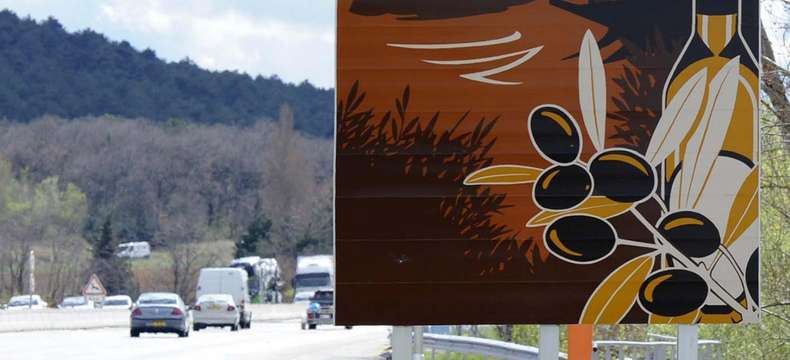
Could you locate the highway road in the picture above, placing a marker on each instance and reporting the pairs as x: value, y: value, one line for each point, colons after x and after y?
x: 270, y: 340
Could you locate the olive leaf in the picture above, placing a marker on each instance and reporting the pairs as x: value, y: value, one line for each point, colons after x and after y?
x: 677, y: 119
x: 598, y: 206
x: 732, y: 317
x: 616, y: 294
x: 745, y: 208
x: 705, y: 145
x: 592, y: 90
x: 503, y: 175
x: 690, y: 318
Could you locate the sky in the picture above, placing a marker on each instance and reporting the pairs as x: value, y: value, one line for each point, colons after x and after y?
x: 293, y: 39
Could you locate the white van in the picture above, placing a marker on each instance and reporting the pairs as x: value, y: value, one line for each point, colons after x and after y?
x: 231, y: 281
x: 134, y: 250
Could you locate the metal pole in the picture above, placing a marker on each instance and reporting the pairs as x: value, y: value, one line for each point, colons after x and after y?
x: 688, y: 337
x: 549, y: 348
x: 401, y: 343
x: 418, y: 349
x: 32, y: 262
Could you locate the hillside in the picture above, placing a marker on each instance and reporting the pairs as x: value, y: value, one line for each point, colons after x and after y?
x: 46, y: 70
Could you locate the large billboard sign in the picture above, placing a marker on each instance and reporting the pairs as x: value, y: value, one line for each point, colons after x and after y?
x: 533, y: 161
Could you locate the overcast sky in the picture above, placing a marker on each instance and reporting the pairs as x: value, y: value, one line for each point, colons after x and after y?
x: 293, y: 39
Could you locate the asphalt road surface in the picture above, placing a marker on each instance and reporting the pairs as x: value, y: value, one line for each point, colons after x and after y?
x: 276, y: 340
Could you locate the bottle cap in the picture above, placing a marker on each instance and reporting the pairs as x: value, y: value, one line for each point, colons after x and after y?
x: 717, y: 7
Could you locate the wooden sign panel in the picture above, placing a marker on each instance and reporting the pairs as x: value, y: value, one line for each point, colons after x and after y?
x: 532, y: 161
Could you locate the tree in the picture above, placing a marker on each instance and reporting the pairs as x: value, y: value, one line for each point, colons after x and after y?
x: 114, y: 272
x: 289, y: 187
x: 257, y: 234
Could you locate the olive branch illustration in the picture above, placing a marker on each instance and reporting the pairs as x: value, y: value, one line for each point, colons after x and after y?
x: 675, y: 279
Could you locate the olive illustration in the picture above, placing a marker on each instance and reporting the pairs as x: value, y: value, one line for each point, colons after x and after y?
x: 690, y: 232
x: 562, y: 187
x: 622, y: 175
x: 673, y: 292
x: 555, y: 133
x: 753, y: 276
x: 580, y: 238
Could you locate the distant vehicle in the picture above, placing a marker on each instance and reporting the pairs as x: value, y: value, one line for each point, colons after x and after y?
x: 134, y: 250
x: 321, y: 310
x: 231, y: 281
x: 263, y: 276
x: 313, y: 273
x: 117, y: 302
x: 76, y: 303
x: 215, y: 310
x: 160, y: 313
x: 23, y: 302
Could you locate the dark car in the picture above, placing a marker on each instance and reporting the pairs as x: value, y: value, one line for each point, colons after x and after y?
x: 160, y: 313
x: 321, y: 310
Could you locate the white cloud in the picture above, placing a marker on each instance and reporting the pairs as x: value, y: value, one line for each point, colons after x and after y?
x: 220, y: 37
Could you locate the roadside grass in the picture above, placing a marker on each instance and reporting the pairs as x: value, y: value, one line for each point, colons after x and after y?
x: 155, y: 273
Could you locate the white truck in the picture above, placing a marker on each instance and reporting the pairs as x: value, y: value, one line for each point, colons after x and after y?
x: 134, y: 250
x: 230, y: 281
x: 263, y: 277
x: 313, y: 273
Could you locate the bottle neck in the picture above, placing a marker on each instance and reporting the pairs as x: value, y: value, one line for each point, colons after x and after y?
x: 716, y: 31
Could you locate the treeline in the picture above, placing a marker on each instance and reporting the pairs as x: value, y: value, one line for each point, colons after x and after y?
x: 179, y: 186
x: 48, y: 71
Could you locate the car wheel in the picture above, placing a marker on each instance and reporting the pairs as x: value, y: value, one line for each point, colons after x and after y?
x: 134, y: 333
x: 348, y: 327
x: 183, y: 334
x: 311, y: 326
x: 302, y: 326
x: 234, y: 327
x: 196, y: 327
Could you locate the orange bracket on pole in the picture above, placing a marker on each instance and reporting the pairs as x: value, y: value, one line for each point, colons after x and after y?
x: 580, y: 341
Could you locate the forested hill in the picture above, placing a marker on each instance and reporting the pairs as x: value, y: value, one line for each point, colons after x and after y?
x: 46, y: 70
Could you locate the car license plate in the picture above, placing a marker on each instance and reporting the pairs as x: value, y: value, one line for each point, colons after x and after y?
x: 215, y: 308
x: 158, y: 323
x: 326, y: 316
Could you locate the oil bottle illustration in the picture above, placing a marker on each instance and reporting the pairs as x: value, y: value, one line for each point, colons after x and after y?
x: 715, y: 40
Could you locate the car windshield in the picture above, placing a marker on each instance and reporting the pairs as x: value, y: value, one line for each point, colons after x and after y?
x: 312, y: 280
x: 157, y: 300
x: 72, y: 301
x: 116, y: 302
x: 323, y: 297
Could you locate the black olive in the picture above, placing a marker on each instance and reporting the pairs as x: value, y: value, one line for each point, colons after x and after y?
x: 691, y: 233
x: 673, y: 292
x: 753, y: 276
x: 555, y: 134
x: 580, y: 238
x: 622, y: 175
x: 562, y: 187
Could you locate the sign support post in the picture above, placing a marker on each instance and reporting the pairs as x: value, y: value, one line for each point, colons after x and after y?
x: 688, y: 342
x: 580, y: 341
x: 418, y: 346
x: 549, y: 343
x: 401, y: 343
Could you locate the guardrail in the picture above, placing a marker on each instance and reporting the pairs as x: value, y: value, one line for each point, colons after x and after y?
x: 651, y: 350
x: 54, y: 319
x: 478, y: 346
x: 602, y: 350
